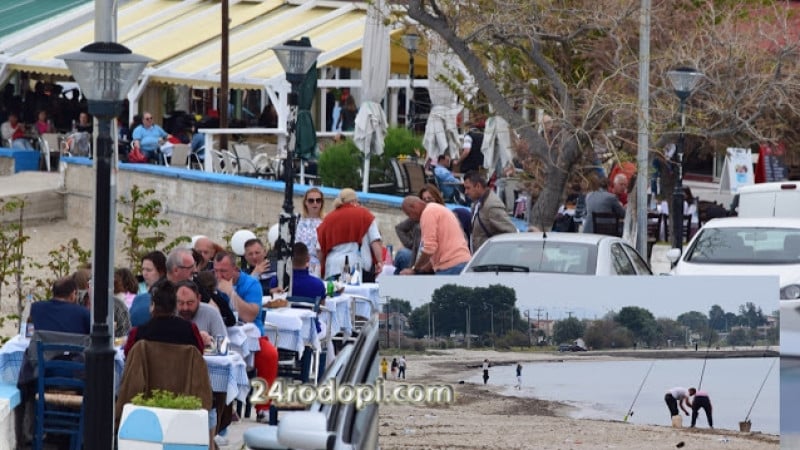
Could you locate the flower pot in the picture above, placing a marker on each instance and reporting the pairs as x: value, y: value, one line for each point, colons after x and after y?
x: 142, y: 427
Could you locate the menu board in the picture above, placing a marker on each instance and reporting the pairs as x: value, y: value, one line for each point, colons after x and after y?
x: 772, y: 157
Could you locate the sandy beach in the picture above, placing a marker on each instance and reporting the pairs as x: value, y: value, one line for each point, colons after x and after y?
x: 483, y: 418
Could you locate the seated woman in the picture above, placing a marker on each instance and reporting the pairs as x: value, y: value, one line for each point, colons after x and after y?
x: 164, y: 325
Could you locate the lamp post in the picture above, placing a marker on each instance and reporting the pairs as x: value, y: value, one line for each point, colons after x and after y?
x: 105, y: 72
x: 491, y: 310
x: 684, y: 80
x: 410, y: 42
x: 296, y: 58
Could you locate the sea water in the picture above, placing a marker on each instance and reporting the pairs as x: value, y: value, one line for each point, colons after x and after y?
x: 606, y: 389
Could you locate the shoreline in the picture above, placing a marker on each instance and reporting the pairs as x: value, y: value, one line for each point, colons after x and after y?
x: 484, y: 417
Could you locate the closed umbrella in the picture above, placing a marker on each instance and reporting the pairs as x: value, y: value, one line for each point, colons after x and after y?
x: 370, y: 124
x: 306, y: 137
x: 441, y: 131
x: 496, y: 146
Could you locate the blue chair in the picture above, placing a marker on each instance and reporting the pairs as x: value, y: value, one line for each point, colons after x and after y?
x: 59, y: 396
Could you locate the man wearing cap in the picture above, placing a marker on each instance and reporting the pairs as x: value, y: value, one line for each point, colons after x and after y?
x: 349, y: 231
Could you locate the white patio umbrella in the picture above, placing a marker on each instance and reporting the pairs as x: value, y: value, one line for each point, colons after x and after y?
x: 441, y: 131
x: 370, y: 126
x: 496, y: 146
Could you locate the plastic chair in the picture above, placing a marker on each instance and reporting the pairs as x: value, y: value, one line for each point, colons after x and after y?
x: 180, y: 156
x: 59, y: 396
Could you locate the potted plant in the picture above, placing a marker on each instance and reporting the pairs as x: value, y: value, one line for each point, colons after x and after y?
x: 163, y: 418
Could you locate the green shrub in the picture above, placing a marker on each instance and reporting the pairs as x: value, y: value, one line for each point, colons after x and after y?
x: 166, y: 399
x: 339, y: 165
x: 401, y: 141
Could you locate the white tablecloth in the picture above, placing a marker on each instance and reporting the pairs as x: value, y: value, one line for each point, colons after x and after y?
x: 369, y: 291
x: 340, y: 320
x: 291, y: 328
x: 243, y: 340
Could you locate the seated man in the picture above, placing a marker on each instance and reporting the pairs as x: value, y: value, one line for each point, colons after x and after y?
x: 61, y: 313
x: 149, y: 137
x: 445, y: 179
x: 303, y: 283
x: 13, y: 132
x: 240, y: 289
x: 258, y: 265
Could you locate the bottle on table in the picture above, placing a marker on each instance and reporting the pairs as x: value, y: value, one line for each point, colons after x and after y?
x: 345, y: 275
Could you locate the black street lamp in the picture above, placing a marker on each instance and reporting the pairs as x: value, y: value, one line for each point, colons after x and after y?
x: 410, y: 42
x: 105, y: 72
x: 684, y: 80
x: 296, y: 58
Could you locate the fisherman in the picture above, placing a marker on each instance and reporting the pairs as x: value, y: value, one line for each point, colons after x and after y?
x: 519, y: 376
x: 700, y: 399
x: 485, y: 368
x: 674, y: 398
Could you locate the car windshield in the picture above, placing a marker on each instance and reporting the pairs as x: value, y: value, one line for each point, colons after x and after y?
x: 537, y: 256
x: 746, y: 245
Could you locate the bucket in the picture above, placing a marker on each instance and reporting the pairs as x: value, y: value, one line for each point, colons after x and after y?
x: 677, y: 421
x: 744, y: 427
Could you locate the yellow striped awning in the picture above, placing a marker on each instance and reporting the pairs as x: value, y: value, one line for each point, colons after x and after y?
x: 183, y: 37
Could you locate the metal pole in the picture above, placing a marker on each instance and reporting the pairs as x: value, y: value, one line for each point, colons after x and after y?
x: 287, y: 221
x: 677, y: 192
x: 223, y: 80
x: 643, y: 126
x: 99, y: 392
x: 411, y: 104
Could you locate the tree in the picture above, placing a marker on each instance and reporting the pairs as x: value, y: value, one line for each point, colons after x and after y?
x: 640, y: 322
x: 579, y: 61
x: 738, y: 336
x: 400, y: 306
x: 607, y: 334
x: 716, y: 318
x: 567, y: 330
x: 448, y: 305
x: 670, y: 332
x: 695, y: 320
x: 418, y: 320
x: 751, y: 316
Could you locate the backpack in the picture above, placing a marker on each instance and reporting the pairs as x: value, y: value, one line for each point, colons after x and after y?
x: 565, y: 223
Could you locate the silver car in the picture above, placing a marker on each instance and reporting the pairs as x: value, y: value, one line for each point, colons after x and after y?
x: 565, y: 253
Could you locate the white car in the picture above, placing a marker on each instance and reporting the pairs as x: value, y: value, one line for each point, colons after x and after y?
x: 564, y: 253
x: 745, y: 246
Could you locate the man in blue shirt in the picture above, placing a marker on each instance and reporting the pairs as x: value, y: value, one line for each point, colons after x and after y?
x: 149, y: 137
x: 303, y: 283
x: 62, y: 313
x: 242, y: 291
x: 444, y: 178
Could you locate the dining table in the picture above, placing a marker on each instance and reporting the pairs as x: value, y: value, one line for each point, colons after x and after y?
x: 227, y: 373
x: 368, y: 291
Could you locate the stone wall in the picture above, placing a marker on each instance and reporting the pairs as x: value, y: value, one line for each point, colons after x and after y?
x: 214, y: 205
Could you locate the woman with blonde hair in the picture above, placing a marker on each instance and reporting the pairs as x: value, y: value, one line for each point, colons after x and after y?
x: 306, y: 232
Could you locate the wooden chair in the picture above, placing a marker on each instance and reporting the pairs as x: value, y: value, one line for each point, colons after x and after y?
x: 415, y: 175
x: 59, y: 396
x: 607, y: 223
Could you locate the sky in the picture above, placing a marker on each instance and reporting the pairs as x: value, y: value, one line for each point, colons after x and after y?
x: 559, y: 296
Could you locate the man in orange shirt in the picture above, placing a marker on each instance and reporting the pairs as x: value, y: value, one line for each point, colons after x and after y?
x: 444, y: 247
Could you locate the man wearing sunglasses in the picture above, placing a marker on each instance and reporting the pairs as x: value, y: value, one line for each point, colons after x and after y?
x: 148, y: 137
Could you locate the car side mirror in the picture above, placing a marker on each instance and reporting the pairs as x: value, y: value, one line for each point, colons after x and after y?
x: 304, y: 429
x: 673, y: 255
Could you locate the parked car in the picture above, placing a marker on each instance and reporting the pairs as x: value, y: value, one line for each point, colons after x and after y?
x: 779, y: 199
x: 336, y: 426
x: 565, y: 253
x: 745, y: 246
x: 570, y: 348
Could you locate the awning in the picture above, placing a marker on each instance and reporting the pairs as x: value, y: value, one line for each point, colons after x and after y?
x: 18, y: 14
x: 183, y: 39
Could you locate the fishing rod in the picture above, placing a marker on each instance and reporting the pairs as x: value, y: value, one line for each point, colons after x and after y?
x: 759, y: 389
x: 705, y: 359
x: 630, y: 410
